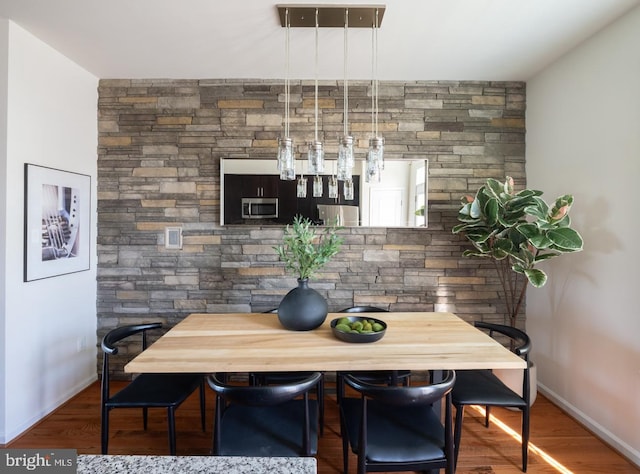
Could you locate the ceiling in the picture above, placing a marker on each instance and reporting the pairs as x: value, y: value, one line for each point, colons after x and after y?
x: 209, y: 39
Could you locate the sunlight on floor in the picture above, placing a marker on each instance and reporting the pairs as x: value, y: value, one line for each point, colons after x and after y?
x: 533, y: 449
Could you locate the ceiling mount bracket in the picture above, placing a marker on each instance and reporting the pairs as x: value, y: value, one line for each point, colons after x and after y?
x: 331, y: 16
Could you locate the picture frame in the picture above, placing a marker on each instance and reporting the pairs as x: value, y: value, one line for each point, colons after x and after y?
x: 57, y: 222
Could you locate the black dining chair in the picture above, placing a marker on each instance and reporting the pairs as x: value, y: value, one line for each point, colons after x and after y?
x: 265, y: 420
x: 390, y: 377
x: 145, y: 390
x: 267, y: 378
x: 396, y: 428
x: 482, y: 387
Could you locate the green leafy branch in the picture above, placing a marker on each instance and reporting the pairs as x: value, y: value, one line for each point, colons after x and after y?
x: 303, y: 251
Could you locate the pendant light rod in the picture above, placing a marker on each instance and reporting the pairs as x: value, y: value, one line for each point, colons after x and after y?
x: 373, y: 81
x: 345, y: 85
x: 316, y: 77
x: 375, y: 55
x: 287, y: 80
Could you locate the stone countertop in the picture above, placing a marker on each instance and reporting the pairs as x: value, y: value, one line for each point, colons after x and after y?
x: 99, y: 464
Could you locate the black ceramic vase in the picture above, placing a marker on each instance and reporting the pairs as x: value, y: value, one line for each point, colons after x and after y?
x: 303, y: 308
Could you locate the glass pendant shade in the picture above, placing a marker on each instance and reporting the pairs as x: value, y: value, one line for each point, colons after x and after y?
x: 317, y: 186
x: 348, y: 190
x: 316, y: 157
x: 345, y: 159
x: 375, y: 160
x: 333, y: 187
x: 286, y: 163
x: 301, y: 188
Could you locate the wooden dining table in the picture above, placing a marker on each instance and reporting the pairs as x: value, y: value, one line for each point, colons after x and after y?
x: 257, y: 342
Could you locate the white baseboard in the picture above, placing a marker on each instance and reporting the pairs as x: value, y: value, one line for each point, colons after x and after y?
x: 633, y: 455
x: 63, y: 398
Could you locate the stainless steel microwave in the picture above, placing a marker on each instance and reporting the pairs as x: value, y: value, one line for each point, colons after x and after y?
x: 259, y: 208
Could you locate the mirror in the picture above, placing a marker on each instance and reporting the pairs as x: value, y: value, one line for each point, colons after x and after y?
x: 253, y: 193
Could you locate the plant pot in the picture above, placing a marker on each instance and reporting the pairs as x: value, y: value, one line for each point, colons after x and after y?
x: 303, y: 308
x: 512, y: 378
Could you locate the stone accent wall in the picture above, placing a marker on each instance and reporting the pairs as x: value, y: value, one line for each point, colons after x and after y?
x: 160, y: 144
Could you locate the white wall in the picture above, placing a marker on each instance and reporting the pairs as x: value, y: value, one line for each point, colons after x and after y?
x: 583, y: 138
x: 50, y: 324
x: 4, y: 51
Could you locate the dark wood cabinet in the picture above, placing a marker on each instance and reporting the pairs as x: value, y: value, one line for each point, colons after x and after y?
x: 260, y: 185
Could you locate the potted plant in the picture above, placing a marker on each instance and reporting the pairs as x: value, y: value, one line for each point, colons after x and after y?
x: 516, y: 231
x: 304, y: 252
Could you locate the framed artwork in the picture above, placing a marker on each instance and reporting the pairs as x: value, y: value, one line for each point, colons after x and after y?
x: 57, y: 222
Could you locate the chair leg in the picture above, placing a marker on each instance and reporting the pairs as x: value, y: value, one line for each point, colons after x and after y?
x: 362, y: 461
x: 457, y: 434
x: 487, y: 413
x: 525, y: 437
x: 345, y: 446
x: 171, y: 416
x: 320, y: 389
x: 105, y: 430
x: 202, y: 406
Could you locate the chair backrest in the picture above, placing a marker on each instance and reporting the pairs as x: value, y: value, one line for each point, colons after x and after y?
x: 415, y: 400
x: 398, y: 395
x: 116, y: 335
x: 364, y: 309
x: 109, y: 347
x: 520, y: 344
x: 262, y: 395
x: 259, y: 396
x: 521, y: 341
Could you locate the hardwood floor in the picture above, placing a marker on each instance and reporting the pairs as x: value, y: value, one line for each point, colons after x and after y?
x: 483, y: 451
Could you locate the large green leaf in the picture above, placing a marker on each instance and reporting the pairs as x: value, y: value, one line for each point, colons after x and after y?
x: 474, y: 209
x: 564, y: 222
x: 537, y: 208
x: 491, y: 211
x: 538, y: 239
x: 546, y: 256
x: 478, y: 235
x: 466, y: 219
x: 561, y: 207
x: 465, y: 210
x: 508, y: 219
x: 565, y: 239
x: 536, y: 277
x: 502, y: 248
x: 458, y: 228
x: 494, y: 187
x: 526, y: 255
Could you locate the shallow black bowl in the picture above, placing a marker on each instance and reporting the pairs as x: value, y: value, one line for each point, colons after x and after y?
x: 356, y: 336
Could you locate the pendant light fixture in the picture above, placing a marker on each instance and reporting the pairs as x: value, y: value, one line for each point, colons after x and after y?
x: 301, y: 187
x: 317, y: 186
x: 348, y: 189
x: 345, y: 150
x: 316, y: 150
x: 286, y: 159
x: 333, y: 187
x: 375, y: 154
x: 333, y: 16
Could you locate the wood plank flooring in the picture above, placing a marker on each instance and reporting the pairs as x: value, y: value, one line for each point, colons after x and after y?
x: 76, y: 425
